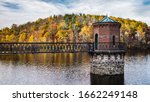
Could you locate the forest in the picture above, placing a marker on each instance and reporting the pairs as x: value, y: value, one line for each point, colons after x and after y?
x: 71, y: 28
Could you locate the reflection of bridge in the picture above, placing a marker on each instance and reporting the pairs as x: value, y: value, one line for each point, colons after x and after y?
x: 47, y: 47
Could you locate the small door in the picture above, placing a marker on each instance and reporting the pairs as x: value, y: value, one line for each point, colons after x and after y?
x: 96, y: 41
x: 113, y: 40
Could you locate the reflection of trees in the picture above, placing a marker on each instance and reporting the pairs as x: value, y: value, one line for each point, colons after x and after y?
x: 138, y: 57
x: 48, y: 59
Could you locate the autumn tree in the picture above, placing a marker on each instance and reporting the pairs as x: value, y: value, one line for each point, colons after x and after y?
x: 14, y: 29
x: 86, y: 34
x: 53, y: 31
x: 63, y: 35
x: 10, y: 38
x: 31, y: 38
x: 22, y: 37
x: 6, y: 31
x: 70, y: 28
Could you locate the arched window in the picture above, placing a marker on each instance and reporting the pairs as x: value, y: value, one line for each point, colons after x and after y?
x: 113, y: 40
x: 96, y: 41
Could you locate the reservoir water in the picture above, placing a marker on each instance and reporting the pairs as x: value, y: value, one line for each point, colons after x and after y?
x: 67, y: 69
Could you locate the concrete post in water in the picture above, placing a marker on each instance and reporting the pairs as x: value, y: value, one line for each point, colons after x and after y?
x: 108, y: 54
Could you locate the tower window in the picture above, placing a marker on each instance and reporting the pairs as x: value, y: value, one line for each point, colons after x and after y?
x: 96, y: 41
x: 113, y: 40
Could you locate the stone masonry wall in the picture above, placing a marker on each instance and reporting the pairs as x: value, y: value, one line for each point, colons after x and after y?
x: 111, y: 64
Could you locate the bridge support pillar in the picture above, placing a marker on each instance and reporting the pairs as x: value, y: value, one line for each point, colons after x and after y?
x: 107, y: 64
x: 107, y: 69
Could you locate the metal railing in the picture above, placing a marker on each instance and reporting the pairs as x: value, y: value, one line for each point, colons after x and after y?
x: 44, y: 47
x: 48, y: 47
x: 111, y: 46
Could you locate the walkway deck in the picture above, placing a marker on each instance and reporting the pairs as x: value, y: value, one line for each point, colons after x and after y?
x: 44, y: 47
x: 59, y: 47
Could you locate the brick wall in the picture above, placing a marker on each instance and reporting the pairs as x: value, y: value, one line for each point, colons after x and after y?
x: 107, y: 31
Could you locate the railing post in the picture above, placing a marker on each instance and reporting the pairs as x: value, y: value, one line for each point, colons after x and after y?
x: 21, y: 47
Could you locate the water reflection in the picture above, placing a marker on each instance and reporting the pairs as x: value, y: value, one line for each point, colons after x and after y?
x: 61, y: 68
x: 107, y: 79
x: 59, y: 59
x: 68, y: 68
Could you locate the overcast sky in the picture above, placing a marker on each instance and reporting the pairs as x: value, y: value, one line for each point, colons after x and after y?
x: 22, y: 11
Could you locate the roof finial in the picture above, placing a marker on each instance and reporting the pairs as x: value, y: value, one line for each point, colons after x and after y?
x: 107, y: 19
x: 106, y: 14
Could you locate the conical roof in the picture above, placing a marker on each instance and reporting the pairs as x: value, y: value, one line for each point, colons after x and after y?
x: 106, y: 19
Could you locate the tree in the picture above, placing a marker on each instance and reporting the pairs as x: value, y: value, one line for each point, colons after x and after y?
x: 63, y: 35
x: 14, y: 29
x: 6, y: 31
x: 61, y: 25
x: 69, y: 28
x: 53, y: 31
x: 47, y: 36
x: 31, y: 38
x: 22, y: 37
x: 10, y: 38
x: 86, y: 33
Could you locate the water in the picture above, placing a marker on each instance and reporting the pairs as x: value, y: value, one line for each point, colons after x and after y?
x: 137, y: 68
x: 67, y: 68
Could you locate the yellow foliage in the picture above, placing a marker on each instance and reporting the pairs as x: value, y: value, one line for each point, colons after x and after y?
x: 2, y: 40
x: 86, y: 33
x: 40, y: 33
x: 46, y: 34
x: 31, y: 39
x: 86, y: 30
x: 22, y: 37
x: 10, y: 38
x: 77, y: 23
x: 43, y: 39
x: 70, y: 27
x: 7, y: 38
x: 62, y: 34
x: 61, y: 25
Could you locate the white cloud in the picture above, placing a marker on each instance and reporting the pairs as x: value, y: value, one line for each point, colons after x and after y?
x: 120, y: 8
x: 29, y: 11
x: 32, y: 10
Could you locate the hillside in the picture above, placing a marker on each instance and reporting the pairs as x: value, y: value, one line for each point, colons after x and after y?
x: 69, y: 28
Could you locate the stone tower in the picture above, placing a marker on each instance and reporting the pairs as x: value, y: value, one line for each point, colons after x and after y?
x: 108, y: 58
